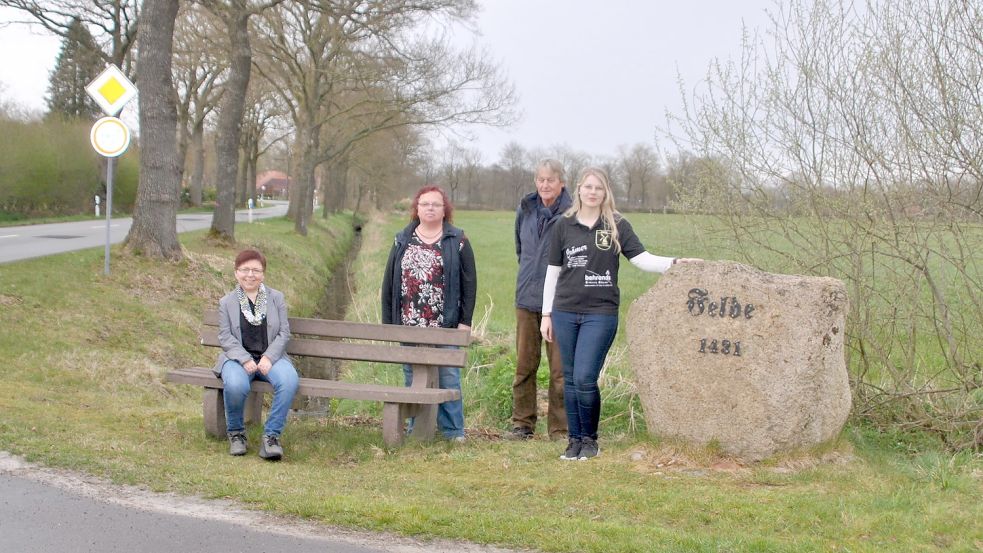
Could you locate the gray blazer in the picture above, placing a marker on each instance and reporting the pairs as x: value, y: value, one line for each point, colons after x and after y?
x: 230, y: 333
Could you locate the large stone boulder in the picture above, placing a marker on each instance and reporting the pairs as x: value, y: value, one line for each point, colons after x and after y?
x: 752, y: 360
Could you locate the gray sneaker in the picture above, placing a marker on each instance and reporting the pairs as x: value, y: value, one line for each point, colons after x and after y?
x: 589, y: 449
x: 237, y: 443
x: 573, y: 450
x: 270, y: 448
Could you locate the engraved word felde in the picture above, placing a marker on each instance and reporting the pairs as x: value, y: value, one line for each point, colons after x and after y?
x: 697, y: 305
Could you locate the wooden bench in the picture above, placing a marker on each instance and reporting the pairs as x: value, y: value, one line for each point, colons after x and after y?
x: 322, y: 338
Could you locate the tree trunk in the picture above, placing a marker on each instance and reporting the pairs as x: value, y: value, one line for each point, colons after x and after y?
x: 336, y: 189
x: 304, y: 192
x: 154, y: 230
x: 253, y: 161
x: 302, y: 188
x: 230, y: 125
x: 242, y: 176
x: 198, y: 161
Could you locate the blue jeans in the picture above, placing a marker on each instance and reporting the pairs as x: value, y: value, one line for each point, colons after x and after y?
x: 584, y: 340
x: 282, y: 376
x: 450, y: 414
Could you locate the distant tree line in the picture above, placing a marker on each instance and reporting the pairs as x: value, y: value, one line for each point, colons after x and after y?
x: 644, y: 180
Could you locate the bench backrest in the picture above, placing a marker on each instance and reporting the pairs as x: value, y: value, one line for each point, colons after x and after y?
x: 390, y: 343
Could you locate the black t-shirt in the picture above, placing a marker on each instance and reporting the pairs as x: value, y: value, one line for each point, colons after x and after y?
x: 588, y: 263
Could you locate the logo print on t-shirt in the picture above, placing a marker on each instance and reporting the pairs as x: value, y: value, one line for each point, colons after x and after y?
x: 602, y: 239
x: 597, y: 280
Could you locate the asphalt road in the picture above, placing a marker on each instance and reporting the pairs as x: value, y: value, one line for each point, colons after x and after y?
x: 44, y: 510
x: 35, y: 517
x: 29, y: 241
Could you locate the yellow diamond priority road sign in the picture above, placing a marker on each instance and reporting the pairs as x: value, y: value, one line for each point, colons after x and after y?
x: 111, y: 90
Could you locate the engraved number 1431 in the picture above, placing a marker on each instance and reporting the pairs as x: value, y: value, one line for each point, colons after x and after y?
x: 724, y: 347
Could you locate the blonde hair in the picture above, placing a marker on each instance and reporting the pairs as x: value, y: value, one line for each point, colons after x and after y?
x: 609, y: 213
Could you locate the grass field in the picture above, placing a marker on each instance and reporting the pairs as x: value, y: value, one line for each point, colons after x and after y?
x: 83, y: 389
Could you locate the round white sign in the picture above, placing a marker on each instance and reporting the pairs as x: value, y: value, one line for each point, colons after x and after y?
x: 109, y: 137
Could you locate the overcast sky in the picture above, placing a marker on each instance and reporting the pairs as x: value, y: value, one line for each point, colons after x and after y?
x: 591, y: 75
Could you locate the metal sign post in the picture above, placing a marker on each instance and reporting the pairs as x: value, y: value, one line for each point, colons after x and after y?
x: 109, y: 136
x: 110, y: 162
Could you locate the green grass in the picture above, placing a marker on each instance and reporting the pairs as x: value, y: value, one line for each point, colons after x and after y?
x: 83, y: 389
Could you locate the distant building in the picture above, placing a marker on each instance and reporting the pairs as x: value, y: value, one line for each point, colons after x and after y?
x: 273, y: 184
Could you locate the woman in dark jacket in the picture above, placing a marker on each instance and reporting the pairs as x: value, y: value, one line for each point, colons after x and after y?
x: 430, y: 280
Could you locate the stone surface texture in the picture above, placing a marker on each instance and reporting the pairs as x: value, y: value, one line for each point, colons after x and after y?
x: 787, y: 389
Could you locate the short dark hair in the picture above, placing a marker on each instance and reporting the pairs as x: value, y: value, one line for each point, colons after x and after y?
x: 249, y: 255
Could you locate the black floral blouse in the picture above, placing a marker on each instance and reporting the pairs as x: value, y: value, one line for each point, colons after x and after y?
x: 422, y: 286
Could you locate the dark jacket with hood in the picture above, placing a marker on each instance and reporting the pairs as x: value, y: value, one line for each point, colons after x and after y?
x: 532, y: 246
x: 460, y: 278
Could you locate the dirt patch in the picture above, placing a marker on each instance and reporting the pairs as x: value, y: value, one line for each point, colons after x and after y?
x: 6, y: 300
x: 222, y: 511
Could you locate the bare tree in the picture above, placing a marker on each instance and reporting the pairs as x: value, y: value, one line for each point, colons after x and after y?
x: 154, y: 230
x: 518, y: 167
x: 573, y: 161
x: 692, y: 182
x: 380, y: 169
x: 198, y: 68
x: 351, y: 69
x: 260, y: 120
x: 235, y: 15
x: 638, y: 173
x: 471, y: 172
x: 855, y: 148
x: 452, y: 169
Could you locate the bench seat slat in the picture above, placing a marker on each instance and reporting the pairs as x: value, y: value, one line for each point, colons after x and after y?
x: 368, y: 331
x: 361, y: 352
x: 326, y: 388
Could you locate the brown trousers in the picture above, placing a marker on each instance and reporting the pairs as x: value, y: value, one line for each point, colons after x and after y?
x: 528, y: 346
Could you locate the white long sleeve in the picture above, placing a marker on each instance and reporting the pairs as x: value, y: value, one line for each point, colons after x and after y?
x: 549, y: 287
x: 651, y: 263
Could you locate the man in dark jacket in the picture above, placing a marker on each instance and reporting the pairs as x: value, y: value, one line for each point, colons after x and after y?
x: 534, y: 220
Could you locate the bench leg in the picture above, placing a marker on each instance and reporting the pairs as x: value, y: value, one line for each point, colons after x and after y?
x: 393, y: 415
x: 213, y: 407
x: 425, y: 425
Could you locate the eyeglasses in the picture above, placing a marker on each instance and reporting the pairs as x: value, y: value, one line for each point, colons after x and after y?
x: 434, y: 205
x: 249, y: 271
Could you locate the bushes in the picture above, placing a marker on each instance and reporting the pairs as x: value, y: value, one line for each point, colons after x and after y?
x: 49, y: 168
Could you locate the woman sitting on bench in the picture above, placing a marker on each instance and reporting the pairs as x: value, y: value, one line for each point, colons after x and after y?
x: 254, y: 331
